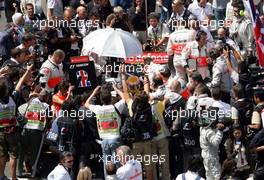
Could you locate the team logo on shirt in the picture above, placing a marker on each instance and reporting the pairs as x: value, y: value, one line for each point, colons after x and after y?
x: 83, y: 77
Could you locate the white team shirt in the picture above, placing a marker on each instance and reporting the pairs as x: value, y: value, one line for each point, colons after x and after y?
x: 224, y: 107
x: 200, y: 12
x: 160, y: 31
x: 57, y: 7
x: 189, y: 176
x: 59, y: 173
x: 132, y: 170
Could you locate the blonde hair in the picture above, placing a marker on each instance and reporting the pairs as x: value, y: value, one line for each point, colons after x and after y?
x: 118, y: 9
x: 85, y: 174
x: 177, y: 2
x: 59, y: 53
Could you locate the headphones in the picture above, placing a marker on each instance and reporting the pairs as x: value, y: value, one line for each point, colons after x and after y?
x: 199, y: 35
x: 241, y: 13
x: 241, y: 8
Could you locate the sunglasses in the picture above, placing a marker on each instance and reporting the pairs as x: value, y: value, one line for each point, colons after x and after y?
x: 69, y: 161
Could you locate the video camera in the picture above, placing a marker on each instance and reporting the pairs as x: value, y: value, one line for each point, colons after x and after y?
x: 257, y: 76
x: 149, y: 46
x: 39, y: 51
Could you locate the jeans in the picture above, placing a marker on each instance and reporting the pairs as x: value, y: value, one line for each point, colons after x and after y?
x: 166, y: 15
x: 161, y: 148
x: 125, y: 4
x: 30, y: 144
x: 109, y: 147
x: 219, y: 16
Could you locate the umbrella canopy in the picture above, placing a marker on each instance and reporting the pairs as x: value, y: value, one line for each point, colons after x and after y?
x: 112, y: 43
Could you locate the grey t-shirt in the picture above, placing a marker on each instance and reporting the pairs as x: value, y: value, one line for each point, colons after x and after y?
x: 57, y: 7
x: 220, y: 4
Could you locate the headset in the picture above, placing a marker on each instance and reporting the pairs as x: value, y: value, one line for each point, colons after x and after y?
x: 199, y: 34
x: 240, y: 6
x: 241, y: 13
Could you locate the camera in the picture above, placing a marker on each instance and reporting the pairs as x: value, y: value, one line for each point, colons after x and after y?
x: 227, y: 47
x: 257, y: 75
x: 148, y: 46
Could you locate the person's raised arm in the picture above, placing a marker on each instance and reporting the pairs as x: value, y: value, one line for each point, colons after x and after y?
x: 118, y: 91
x: 23, y: 78
x: 88, y: 101
x: 228, y: 61
x: 237, y: 54
x: 57, y: 100
x: 146, y: 84
x: 125, y: 95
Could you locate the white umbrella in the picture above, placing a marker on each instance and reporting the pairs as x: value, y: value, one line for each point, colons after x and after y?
x: 111, y: 42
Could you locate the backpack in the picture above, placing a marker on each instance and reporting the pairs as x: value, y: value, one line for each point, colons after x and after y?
x: 190, y: 132
x: 259, y: 110
x: 138, y: 128
x: 245, y: 109
x: 172, y: 109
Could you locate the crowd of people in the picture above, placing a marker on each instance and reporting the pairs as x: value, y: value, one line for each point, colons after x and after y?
x: 199, y: 116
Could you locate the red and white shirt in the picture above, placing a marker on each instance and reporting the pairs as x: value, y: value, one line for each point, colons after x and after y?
x: 53, y: 74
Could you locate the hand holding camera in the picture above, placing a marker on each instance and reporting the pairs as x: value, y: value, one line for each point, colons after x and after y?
x: 30, y: 67
x: 220, y: 126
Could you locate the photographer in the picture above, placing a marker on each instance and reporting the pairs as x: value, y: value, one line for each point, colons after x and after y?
x: 81, y: 19
x: 7, y: 42
x: 108, y: 122
x: 18, y: 57
x: 28, y: 42
x: 242, y: 75
x: 35, y: 113
x: 120, y: 20
x: 137, y: 15
x: 68, y: 36
x: 23, y: 87
x: 220, y: 77
x: 223, y: 35
x: 9, y: 131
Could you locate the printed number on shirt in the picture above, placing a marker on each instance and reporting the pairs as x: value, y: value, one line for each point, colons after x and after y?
x: 189, y: 142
